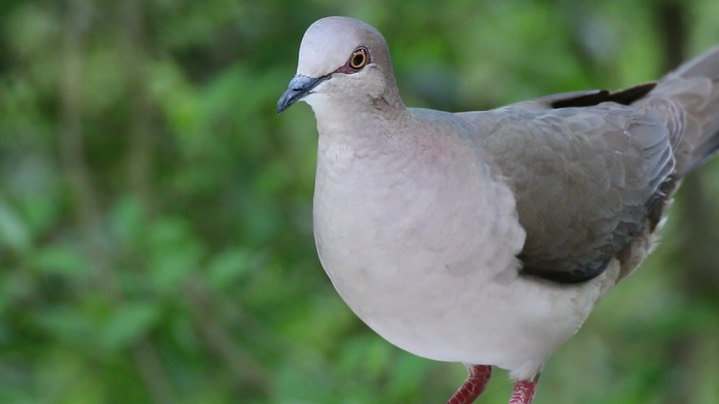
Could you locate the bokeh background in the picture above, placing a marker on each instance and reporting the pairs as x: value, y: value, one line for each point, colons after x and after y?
x: 155, y: 213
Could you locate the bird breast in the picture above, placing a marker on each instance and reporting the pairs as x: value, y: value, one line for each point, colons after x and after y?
x: 423, y: 249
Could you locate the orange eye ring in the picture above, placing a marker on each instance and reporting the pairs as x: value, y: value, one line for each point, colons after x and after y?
x: 358, y: 59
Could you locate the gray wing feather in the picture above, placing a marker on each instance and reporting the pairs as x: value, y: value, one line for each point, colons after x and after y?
x: 584, y: 178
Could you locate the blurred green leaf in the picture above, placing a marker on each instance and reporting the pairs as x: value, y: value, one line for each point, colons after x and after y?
x: 127, y: 221
x: 228, y: 267
x: 65, y: 323
x: 13, y: 232
x: 175, y: 253
x: 127, y: 323
x: 60, y: 260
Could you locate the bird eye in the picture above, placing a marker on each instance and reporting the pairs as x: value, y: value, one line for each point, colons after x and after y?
x: 358, y: 59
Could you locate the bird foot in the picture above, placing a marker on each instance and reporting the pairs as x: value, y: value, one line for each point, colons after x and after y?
x: 523, y: 392
x: 474, y: 385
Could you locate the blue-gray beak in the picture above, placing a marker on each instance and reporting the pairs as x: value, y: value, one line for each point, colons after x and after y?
x: 299, y: 87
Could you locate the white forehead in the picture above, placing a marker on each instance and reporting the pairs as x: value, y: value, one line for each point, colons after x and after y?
x: 328, y: 43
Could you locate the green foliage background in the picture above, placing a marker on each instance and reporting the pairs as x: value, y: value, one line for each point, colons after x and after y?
x: 155, y: 213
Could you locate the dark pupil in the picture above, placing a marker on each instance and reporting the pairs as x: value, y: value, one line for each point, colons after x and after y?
x: 357, y: 60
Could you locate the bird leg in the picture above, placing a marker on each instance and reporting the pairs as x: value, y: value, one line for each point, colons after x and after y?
x: 474, y: 385
x: 523, y: 392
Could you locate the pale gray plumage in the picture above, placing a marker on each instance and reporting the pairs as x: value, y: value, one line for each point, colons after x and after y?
x: 445, y: 232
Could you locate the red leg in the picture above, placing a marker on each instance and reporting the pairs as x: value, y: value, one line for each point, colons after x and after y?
x: 523, y: 392
x: 474, y: 385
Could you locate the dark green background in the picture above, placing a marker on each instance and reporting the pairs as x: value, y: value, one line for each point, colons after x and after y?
x: 155, y: 213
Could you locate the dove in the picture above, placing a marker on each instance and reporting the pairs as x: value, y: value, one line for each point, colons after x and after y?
x: 487, y: 237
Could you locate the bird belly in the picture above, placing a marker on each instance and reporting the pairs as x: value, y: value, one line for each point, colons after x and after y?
x: 462, y: 319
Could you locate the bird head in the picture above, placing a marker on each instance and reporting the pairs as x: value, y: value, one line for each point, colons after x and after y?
x: 341, y: 60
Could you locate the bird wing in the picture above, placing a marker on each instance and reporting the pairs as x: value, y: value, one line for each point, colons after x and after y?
x: 586, y: 175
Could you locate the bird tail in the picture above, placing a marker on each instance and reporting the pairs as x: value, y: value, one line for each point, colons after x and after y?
x: 687, y: 99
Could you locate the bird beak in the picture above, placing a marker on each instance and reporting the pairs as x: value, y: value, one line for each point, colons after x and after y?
x: 299, y: 87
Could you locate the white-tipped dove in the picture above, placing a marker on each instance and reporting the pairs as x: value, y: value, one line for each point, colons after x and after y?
x: 487, y: 237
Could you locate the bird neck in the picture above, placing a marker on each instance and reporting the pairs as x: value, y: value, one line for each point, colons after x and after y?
x: 346, y: 118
